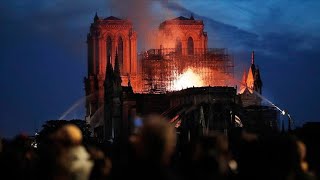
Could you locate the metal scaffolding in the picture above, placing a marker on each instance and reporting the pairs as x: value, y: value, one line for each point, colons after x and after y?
x: 161, y: 67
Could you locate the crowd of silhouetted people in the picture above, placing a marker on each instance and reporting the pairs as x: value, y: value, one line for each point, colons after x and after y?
x: 152, y: 153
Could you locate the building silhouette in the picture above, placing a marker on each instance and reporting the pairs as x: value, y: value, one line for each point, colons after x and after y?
x: 122, y: 85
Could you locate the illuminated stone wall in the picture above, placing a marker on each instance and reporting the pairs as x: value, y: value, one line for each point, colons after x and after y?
x: 106, y: 38
x: 184, y: 34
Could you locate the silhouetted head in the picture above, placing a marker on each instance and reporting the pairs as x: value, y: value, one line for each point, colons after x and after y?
x: 281, y: 157
x: 156, y: 140
x: 212, y: 154
x: 69, y: 135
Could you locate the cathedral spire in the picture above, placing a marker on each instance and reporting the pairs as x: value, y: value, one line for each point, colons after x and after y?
x: 251, y: 75
x: 109, y: 73
x: 117, y: 74
x: 252, y: 57
x: 109, y: 66
x: 108, y: 97
x: 253, y: 66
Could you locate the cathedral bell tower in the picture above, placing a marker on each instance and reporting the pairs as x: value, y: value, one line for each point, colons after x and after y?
x: 108, y: 37
x: 186, y: 36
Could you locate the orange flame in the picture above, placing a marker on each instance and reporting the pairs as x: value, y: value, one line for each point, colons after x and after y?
x: 188, y: 79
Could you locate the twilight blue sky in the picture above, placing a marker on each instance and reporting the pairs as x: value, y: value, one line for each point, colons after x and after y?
x: 43, y: 50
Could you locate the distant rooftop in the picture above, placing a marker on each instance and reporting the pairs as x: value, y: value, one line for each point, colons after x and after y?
x: 112, y: 18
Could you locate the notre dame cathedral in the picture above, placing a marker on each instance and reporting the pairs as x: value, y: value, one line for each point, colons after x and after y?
x: 122, y: 84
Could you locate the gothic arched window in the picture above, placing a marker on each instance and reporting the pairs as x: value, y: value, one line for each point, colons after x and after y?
x: 178, y: 46
x: 109, y: 47
x: 120, y: 51
x: 190, y: 46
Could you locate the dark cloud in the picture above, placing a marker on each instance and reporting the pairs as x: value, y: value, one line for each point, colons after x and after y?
x: 287, y: 56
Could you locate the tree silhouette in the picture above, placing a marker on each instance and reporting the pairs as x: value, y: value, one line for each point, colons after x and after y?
x: 52, y: 126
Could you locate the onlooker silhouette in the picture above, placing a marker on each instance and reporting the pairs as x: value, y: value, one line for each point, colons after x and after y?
x: 153, y: 147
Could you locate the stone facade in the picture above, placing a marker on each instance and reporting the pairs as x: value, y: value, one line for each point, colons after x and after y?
x: 184, y: 34
x: 106, y: 37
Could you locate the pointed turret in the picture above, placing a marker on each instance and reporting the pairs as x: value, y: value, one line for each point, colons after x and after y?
x: 117, y: 100
x: 96, y: 17
x: 109, y: 72
x: 253, y: 85
x: 117, y: 74
x: 109, y: 76
x: 108, y: 104
x: 251, y: 75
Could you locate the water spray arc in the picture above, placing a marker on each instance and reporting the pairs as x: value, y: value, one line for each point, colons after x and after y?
x: 77, y: 104
x: 282, y: 111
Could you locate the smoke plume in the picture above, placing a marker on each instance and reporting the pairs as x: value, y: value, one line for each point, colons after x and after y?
x: 146, y: 15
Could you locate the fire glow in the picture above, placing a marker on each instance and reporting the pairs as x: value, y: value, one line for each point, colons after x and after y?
x: 188, y: 79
